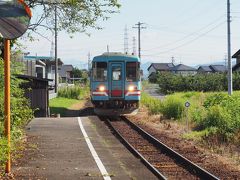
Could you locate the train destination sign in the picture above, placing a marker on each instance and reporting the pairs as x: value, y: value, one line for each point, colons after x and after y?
x: 15, y: 16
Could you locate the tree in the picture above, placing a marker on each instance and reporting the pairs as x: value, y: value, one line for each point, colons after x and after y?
x: 78, y: 73
x: 73, y: 15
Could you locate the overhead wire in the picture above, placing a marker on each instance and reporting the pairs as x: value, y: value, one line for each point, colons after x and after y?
x: 185, y: 37
x: 192, y: 40
x: 199, y: 13
x: 188, y: 19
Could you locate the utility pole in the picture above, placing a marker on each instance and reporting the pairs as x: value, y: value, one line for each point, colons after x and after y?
x: 56, y: 59
x: 139, y: 27
x: 230, y: 89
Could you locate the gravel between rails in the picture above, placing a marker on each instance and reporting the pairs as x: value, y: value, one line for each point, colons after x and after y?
x: 166, y: 165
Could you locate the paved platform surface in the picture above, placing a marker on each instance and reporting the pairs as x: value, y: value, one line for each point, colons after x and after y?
x: 64, y: 154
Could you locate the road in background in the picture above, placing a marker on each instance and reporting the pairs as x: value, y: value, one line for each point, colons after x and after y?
x: 153, y: 90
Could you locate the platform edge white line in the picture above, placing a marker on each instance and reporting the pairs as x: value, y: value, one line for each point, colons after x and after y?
x: 98, y: 161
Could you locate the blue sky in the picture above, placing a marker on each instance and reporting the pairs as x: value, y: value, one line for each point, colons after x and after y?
x: 192, y: 31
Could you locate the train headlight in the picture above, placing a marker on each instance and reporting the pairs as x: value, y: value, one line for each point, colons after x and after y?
x: 101, y: 88
x: 130, y: 88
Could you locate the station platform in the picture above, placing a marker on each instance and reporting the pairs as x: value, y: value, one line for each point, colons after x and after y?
x: 78, y: 148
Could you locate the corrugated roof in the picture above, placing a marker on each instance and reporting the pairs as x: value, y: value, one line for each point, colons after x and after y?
x: 182, y: 67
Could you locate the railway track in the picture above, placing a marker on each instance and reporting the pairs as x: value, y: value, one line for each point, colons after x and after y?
x: 163, y: 161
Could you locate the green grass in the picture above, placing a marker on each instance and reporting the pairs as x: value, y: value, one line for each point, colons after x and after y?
x: 60, y: 105
x: 75, y: 92
x: 211, y: 115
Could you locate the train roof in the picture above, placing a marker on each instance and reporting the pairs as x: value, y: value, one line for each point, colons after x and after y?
x: 115, y: 56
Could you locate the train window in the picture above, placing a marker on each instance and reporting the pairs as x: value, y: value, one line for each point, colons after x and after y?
x: 132, y: 71
x: 99, y: 71
x: 116, y: 73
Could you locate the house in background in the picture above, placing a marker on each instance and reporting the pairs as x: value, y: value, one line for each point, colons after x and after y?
x: 237, y: 65
x: 41, y: 66
x: 204, y: 69
x: 65, y: 73
x: 169, y: 67
x: 183, y: 70
x: 32, y: 67
x: 39, y: 76
x: 218, y: 68
x: 159, y: 67
x: 212, y: 69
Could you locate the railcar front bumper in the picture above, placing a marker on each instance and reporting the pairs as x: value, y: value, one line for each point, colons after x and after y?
x: 116, y: 104
x: 115, y: 112
x: 116, y: 107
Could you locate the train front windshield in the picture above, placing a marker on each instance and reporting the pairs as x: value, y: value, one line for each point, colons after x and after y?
x: 99, y: 71
x: 132, y: 71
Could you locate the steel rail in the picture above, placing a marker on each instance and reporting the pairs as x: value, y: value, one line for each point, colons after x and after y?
x: 202, y: 173
x: 135, y: 152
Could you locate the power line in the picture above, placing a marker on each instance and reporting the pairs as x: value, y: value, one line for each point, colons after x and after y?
x: 215, y: 4
x: 42, y: 36
x: 199, y: 14
x: 186, y: 10
x: 188, y: 42
x: 189, y: 35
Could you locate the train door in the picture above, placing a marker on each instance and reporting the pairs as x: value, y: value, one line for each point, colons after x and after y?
x: 117, y: 80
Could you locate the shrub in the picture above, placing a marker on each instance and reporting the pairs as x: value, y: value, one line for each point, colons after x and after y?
x: 221, y: 113
x: 197, y: 116
x: 173, y: 107
x: 3, y: 151
x: 154, y: 105
x: 169, y: 82
x: 20, y: 110
x: 219, y: 118
x: 215, y: 99
x: 75, y: 92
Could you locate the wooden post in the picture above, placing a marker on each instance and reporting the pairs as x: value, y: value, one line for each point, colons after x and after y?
x: 7, y: 112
